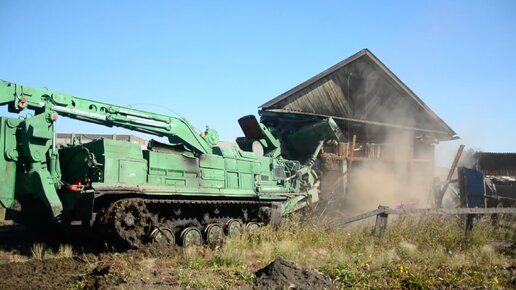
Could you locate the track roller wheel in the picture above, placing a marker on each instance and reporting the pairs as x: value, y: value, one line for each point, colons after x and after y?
x: 252, y: 227
x: 191, y: 237
x: 233, y: 228
x: 162, y: 236
x: 214, y: 234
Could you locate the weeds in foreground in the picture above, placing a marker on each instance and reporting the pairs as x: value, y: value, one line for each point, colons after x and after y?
x: 417, y: 253
x: 413, y: 253
x: 65, y: 251
x: 38, y: 251
x: 41, y: 251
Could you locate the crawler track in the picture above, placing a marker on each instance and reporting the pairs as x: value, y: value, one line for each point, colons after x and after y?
x: 133, y: 222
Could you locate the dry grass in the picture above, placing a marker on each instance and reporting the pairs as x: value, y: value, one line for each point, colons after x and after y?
x: 413, y: 253
x: 38, y: 251
x: 65, y: 251
x: 41, y: 251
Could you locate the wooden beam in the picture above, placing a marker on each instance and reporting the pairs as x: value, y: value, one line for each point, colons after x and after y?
x: 439, y: 198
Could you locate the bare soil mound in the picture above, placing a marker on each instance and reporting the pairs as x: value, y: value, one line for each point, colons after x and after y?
x: 155, y: 251
x: 86, y: 271
x: 41, y: 274
x: 282, y: 274
x: 102, y: 278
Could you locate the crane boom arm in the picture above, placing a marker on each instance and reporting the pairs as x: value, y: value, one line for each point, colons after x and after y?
x: 177, y: 130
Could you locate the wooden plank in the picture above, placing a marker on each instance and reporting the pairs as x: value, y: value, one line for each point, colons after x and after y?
x: 382, y: 210
x: 352, y: 153
x: 439, y: 198
x: 449, y: 211
x: 381, y: 222
x: 360, y: 217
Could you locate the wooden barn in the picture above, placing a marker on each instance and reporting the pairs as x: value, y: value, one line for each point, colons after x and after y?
x: 385, y: 126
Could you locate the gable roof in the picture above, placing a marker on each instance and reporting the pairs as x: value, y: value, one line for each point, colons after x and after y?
x: 362, y: 90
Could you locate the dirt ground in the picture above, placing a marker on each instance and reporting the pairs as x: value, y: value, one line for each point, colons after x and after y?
x: 282, y: 273
x: 93, y: 266
x: 21, y: 268
x: 106, y: 271
x: 86, y: 271
x: 63, y: 273
x: 101, y: 268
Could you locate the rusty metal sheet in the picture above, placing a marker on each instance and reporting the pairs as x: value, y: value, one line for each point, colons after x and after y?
x: 496, y: 163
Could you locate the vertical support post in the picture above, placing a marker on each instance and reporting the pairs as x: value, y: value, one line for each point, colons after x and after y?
x: 440, y: 194
x: 275, y: 215
x: 381, y: 221
x: 470, y: 221
x: 352, y: 153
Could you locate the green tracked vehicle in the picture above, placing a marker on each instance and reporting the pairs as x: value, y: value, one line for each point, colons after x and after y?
x: 188, y: 191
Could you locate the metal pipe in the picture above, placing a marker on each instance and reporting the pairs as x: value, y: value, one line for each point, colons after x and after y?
x: 54, y: 138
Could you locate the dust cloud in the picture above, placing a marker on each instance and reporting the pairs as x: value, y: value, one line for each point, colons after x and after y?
x: 402, y: 176
x: 395, y: 180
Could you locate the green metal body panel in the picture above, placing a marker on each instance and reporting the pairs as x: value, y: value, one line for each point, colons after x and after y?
x: 175, y: 172
x: 8, y: 163
x: 30, y: 167
x: 305, y: 140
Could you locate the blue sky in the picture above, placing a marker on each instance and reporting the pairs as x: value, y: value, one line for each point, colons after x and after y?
x: 215, y: 61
